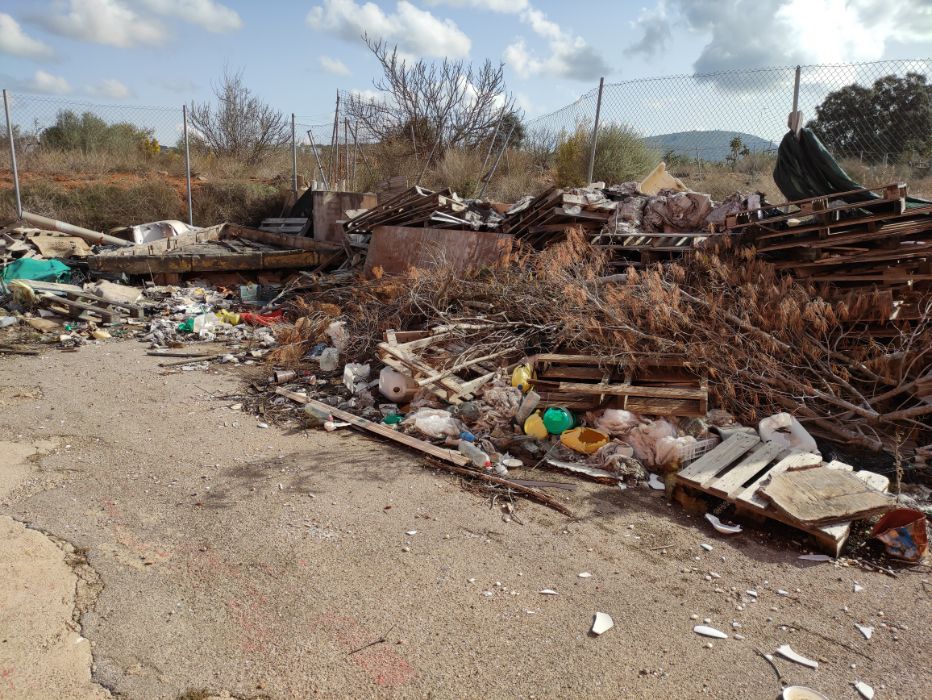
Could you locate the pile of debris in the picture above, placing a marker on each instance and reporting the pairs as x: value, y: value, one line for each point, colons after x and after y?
x: 497, y: 341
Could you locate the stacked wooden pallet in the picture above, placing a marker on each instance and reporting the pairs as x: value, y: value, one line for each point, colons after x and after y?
x: 548, y: 215
x: 637, y: 248
x: 77, y: 303
x: 653, y: 386
x: 416, y: 206
x: 845, y: 239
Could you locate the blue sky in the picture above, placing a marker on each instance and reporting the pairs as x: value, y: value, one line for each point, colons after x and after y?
x: 296, y: 54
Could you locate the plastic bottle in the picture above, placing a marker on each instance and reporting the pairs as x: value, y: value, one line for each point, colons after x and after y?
x: 558, y: 419
x: 522, y: 376
x: 476, y: 456
x: 534, y: 426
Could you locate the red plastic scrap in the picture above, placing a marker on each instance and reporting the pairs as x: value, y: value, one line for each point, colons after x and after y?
x: 262, y: 319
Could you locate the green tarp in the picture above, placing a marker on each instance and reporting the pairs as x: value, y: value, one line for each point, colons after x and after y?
x: 32, y: 269
x: 806, y: 169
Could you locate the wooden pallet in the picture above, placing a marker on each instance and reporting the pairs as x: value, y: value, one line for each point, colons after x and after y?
x: 736, y: 469
x: 656, y: 386
x: 80, y: 303
x: 291, y: 227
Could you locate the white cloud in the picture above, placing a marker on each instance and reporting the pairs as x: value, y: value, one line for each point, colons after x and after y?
x: 369, y: 95
x: 798, y: 31
x: 47, y: 83
x: 16, y: 42
x: 655, y: 29
x: 416, y: 32
x: 110, y: 89
x: 519, y: 59
x: 334, y: 65
x: 107, y: 22
x: 207, y: 14
x: 510, y: 7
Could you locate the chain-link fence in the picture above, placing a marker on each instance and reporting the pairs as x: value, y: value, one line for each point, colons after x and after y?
x: 874, y: 112
x: 698, y: 116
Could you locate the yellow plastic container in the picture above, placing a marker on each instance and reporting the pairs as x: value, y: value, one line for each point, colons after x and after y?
x: 584, y: 440
x: 225, y: 316
x: 534, y: 426
x: 521, y: 377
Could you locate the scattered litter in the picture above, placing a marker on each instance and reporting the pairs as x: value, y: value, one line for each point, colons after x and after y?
x: 815, y: 557
x: 707, y: 631
x: 655, y: 482
x: 858, y: 588
x: 410, y: 533
x: 800, y: 692
x: 584, y: 574
x: 864, y: 689
x: 721, y: 527
x: 706, y: 547
x: 548, y: 591
x: 602, y: 623
x: 865, y: 630
x: 262, y: 425
x: 786, y: 651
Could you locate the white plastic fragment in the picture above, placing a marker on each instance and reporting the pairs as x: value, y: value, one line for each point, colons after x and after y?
x: 865, y: 630
x: 655, y: 483
x: 780, y: 591
x: 584, y: 574
x: 815, y: 557
x: 865, y: 690
x: 786, y: 651
x: 706, y: 547
x: 602, y: 623
x: 722, y: 527
x: 707, y: 631
x: 409, y: 533
x: 858, y: 588
x: 751, y: 593
x: 548, y: 591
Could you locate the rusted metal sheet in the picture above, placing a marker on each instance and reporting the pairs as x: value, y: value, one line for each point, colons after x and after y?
x: 330, y: 207
x: 396, y: 249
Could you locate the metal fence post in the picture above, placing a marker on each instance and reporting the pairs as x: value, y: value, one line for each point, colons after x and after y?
x: 9, y: 133
x: 187, y: 163
x: 595, y: 131
x: 294, y: 158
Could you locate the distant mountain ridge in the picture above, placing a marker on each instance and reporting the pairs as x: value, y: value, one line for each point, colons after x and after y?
x: 712, y: 145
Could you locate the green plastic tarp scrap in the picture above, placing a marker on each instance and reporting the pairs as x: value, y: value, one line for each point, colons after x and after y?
x: 32, y: 269
x: 805, y: 169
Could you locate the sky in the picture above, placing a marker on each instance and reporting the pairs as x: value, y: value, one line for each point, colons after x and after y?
x: 295, y: 54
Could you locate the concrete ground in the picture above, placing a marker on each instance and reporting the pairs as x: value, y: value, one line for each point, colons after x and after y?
x: 155, y: 543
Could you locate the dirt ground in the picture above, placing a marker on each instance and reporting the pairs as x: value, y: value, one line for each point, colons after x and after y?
x: 200, y: 554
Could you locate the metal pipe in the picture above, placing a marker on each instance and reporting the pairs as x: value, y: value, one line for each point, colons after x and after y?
x: 187, y: 164
x: 9, y: 133
x: 320, y: 167
x: 595, y: 130
x: 796, y: 90
x: 294, y: 158
x: 48, y: 224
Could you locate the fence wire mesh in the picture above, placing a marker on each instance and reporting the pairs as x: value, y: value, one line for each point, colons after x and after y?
x: 697, y: 116
x: 693, y: 117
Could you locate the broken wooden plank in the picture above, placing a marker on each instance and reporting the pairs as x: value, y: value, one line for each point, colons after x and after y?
x: 795, y: 460
x: 717, y: 459
x: 455, y: 460
x: 823, y: 496
x: 732, y: 481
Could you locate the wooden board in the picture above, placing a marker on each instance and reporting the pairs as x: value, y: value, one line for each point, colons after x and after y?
x: 396, y: 249
x: 715, y: 461
x: 822, y: 496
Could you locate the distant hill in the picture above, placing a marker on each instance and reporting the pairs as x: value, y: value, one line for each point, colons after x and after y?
x: 712, y: 145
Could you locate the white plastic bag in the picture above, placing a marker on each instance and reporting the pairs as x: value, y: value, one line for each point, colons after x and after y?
x: 355, y: 374
x: 785, y: 430
x: 645, y: 438
x: 338, y: 335
x: 434, y: 422
x: 616, y: 421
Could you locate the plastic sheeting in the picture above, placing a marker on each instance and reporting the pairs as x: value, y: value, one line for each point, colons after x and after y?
x: 806, y: 169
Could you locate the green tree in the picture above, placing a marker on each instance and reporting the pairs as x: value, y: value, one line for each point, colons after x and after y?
x: 88, y: 132
x: 893, y: 116
x: 737, y: 150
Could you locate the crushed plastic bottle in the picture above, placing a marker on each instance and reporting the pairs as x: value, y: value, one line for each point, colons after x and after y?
x: 476, y: 456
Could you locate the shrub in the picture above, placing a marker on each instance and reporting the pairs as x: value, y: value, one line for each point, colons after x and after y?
x: 620, y: 155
